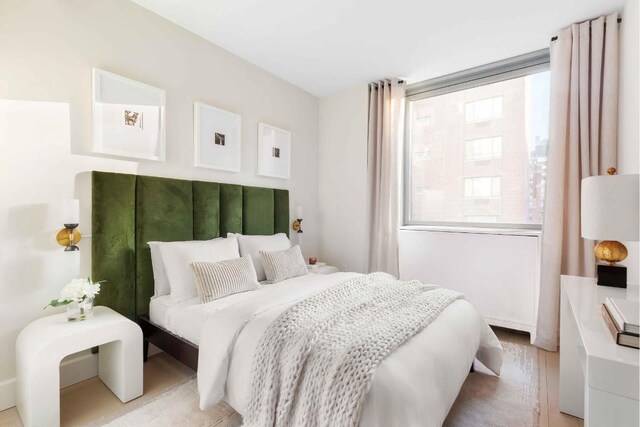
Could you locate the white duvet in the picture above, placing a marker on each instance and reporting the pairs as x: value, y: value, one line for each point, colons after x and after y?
x: 414, y: 386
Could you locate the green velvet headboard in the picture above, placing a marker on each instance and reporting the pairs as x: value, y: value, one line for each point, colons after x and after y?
x: 130, y: 210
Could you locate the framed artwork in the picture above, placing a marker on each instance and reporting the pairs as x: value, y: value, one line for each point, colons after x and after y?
x: 128, y: 117
x: 274, y: 151
x: 216, y: 138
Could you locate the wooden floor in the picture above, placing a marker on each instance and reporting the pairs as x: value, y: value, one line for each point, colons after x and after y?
x: 550, y: 415
x: 90, y: 400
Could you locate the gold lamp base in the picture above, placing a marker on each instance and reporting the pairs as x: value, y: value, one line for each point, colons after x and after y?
x: 610, y: 251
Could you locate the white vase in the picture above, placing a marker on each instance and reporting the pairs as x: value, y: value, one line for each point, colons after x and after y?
x: 78, y: 311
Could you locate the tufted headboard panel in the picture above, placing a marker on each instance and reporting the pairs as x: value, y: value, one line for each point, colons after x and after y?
x: 130, y: 210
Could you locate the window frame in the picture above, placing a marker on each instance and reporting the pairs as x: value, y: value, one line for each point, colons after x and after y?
x: 519, y: 66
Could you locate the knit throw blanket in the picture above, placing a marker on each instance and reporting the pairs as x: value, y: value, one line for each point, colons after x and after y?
x: 315, y: 362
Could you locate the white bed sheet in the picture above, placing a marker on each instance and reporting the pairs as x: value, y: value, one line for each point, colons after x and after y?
x: 186, y: 318
x: 158, y: 307
x: 415, y: 385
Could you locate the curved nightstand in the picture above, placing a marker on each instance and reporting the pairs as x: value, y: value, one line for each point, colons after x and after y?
x: 43, y: 343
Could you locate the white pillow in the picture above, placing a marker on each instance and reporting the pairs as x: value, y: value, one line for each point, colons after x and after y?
x: 160, y: 281
x: 215, y: 280
x: 282, y: 265
x: 176, y: 257
x: 252, y: 245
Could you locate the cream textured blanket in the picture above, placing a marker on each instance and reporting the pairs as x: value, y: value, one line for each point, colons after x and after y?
x: 314, y: 365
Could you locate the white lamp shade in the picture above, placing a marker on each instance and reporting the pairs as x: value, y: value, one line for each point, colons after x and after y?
x: 609, y: 207
x: 70, y: 211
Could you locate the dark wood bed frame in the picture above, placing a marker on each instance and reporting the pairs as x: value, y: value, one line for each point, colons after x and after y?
x: 173, y: 345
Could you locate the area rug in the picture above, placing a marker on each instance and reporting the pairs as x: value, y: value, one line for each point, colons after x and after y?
x: 509, y: 400
x: 177, y: 406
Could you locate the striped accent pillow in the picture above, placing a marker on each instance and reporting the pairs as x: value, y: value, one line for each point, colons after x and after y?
x: 219, y: 279
x: 281, y: 265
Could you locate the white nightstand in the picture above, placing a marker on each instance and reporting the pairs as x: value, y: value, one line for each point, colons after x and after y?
x: 598, y: 378
x: 44, y: 342
x: 325, y: 269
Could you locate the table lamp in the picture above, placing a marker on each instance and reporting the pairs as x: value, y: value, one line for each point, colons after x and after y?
x: 609, y: 213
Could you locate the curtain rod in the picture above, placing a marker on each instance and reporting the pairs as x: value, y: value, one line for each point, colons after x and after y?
x: 554, y: 38
x: 399, y: 81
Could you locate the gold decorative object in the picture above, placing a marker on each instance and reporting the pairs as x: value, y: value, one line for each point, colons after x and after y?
x: 610, y: 251
x: 69, y: 238
x: 297, y: 225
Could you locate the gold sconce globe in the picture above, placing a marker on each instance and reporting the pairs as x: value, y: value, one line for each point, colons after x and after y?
x: 69, y: 238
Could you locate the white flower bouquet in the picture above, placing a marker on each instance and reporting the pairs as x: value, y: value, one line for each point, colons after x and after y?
x: 78, y: 296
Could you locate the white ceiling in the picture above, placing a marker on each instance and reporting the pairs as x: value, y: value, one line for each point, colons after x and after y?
x: 324, y: 46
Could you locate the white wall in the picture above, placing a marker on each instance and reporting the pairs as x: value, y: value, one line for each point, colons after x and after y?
x: 498, y: 273
x: 629, y: 112
x: 48, y: 49
x: 343, y: 178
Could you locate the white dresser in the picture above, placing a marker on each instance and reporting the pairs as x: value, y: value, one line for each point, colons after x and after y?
x: 599, y: 380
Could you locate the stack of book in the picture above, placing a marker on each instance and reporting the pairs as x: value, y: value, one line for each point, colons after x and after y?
x: 316, y: 265
x: 622, y: 319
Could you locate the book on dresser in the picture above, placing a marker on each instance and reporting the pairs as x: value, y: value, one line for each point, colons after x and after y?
x: 625, y: 313
x: 619, y: 335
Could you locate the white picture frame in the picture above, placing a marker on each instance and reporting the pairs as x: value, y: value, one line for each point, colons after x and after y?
x: 274, y: 151
x: 128, y: 117
x: 217, y: 138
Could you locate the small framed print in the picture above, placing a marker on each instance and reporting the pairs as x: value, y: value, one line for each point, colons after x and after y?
x: 128, y: 117
x: 274, y: 151
x: 216, y: 137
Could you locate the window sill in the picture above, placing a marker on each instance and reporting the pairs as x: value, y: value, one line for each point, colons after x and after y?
x: 474, y: 230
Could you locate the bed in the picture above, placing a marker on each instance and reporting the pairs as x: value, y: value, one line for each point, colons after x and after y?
x: 415, y: 385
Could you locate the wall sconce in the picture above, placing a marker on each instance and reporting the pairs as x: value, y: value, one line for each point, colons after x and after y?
x: 69, y: 236
x: 297, y: 223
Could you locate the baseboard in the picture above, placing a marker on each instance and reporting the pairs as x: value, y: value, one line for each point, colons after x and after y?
x: 78, y: 369
x: 72, y: 371
x: 7, y: 394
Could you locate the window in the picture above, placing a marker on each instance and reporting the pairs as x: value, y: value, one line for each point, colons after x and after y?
x: 423, y: 120
x: 483, y: 148
x: 483, y: 110
x: 476, y: 146
x: 482, y: 187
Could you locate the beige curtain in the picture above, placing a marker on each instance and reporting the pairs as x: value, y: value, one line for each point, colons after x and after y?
x: 386, y: 118
x: 582, y: 142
